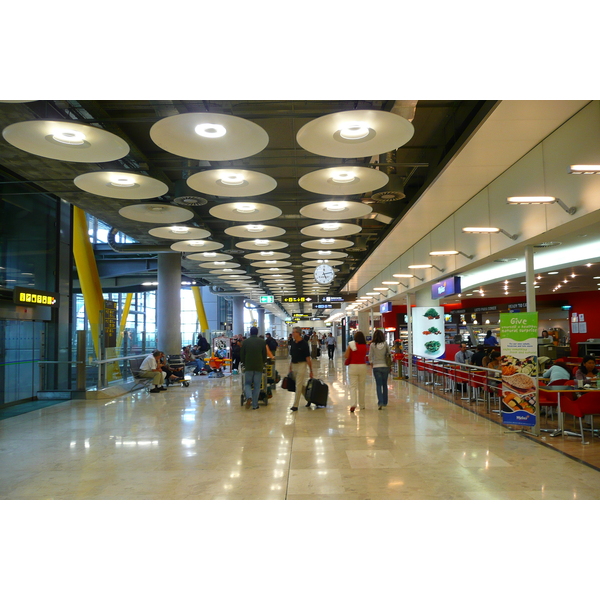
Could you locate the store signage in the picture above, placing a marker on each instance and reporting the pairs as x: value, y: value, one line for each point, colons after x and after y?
x: 301, y: 315
x: 446, y: 287
x: 428, y: 331
x: 267, y: 299
x: 29, y: 297
x: 327, y: 306
x: 518, y: 346
x: 386, y: 307
x: 296, y: 299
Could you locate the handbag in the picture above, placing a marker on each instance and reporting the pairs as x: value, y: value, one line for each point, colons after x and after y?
x: 352, y: 346
x: 388, y: 360
x: 288, y: 383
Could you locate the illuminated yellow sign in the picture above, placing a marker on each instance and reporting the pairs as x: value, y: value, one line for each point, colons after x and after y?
x: 34, y: 297
x: 296, y: 299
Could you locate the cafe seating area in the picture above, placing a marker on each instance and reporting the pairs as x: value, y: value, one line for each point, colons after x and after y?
x: 566, y: 422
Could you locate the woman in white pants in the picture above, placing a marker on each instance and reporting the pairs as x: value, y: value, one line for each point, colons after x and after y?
x: 355, y: 356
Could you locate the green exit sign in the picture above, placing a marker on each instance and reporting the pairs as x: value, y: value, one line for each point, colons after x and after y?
x: 267, y: 299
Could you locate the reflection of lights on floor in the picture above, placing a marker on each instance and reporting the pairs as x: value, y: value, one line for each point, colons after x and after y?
x: 235, y: 474
x: 275, y: 488
x: 277, y: 473
x: 395, y: 483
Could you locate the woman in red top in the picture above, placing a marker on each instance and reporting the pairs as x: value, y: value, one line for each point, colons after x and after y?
x: 356, y: 354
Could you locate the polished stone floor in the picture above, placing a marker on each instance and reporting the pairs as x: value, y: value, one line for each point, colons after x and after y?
x: 198, y: 443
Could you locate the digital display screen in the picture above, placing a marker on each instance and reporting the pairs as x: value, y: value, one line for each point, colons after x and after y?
x: 29, y: 297
x: 446, y: 287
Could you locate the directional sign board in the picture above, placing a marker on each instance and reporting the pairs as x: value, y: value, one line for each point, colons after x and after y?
x: 296, y: 299
x: 267, y: 299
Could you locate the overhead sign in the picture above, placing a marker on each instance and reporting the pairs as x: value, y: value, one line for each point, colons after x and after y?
x: 267, y: 299
x: 320, y: 306
x: 28, y: 297
x: 301, y: 315
x: 296, y: 299
x: 110, y: 324
x: 386, y: 307
x: 446, y: 287
x: 334, y: 299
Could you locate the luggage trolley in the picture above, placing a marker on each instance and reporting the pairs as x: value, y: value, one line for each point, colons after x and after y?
x: 266, y: 391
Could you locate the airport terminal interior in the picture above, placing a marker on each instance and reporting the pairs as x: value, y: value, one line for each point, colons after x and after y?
x: 129, y: 226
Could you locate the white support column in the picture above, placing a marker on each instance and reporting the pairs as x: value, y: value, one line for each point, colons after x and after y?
x: 168, y: 303
x: 238, y: 315
x: 529, y: 279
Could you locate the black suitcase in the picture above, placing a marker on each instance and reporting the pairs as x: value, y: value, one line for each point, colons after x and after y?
x: 316, y: 392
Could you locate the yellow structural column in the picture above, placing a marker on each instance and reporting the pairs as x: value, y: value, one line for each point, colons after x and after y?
x: 200, y: 308
x: 124, y: 316
x: 88, y: 274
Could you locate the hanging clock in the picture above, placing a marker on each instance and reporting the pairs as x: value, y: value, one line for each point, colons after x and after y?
x: 324, y: 274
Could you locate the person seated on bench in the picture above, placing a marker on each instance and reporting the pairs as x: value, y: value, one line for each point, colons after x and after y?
x: 173, y: 374
x: 198, y: 363
x: 150, y: 369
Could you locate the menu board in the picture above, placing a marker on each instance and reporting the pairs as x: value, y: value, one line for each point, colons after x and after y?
x: 518, y: 346
x: 428, y: 331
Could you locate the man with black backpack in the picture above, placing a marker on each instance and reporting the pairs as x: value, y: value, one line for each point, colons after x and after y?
x: 202, y: 343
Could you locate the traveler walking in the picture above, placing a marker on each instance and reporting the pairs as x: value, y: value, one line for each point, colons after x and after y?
x: 379, y: 355
x: 356, y: 354
x: 253, y: 355
x: 299, y: 362
x: 330, y: 346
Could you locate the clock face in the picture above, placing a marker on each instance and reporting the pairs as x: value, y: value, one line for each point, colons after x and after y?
x: 324, y: 274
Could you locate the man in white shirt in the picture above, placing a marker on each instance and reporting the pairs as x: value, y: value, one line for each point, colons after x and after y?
x: 330, y: 346
x: 149, y: 369
x: 463, y: 356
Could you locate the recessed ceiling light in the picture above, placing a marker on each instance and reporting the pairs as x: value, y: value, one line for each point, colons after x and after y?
x: 330, y: 226
x: 584, y: 169
x: 268, y: 253
x: 343, y: 176
x: 196, y: 242
x: 210, y: 130
x: 255, y: 228
x: 69, y: 136
x: 261, y: 242
x: 354, y: 131
x: 335, y: 206
x: 122, y: 181
x: 327, y: 241
x: 245, y: 208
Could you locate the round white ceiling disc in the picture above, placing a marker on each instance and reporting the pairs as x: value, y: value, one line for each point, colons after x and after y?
x: 235, y: 277
x: 343, y: 210
x: 270, y: 272
x: 211, y: 265
x: 273, y: 256
x: 237, y: 138
x: 201, y: 256
x: 66, y: 140
x: 267, y: 245
x: 190, y: 233
x: 245, y: 211
x: 343, y: 181
x: 224, y: 272
x: 355, y: 134
x: 196, y: 246
x: 124, y: 185
x: 156, y: 213
x: 275, y: 263
x: 231, y: 183
x: 268, y: 231
x: 316, y: 255
x: 316, y: 263
x: 344, y: 230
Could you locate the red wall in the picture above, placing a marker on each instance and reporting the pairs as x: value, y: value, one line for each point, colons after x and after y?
x: 587, y: 303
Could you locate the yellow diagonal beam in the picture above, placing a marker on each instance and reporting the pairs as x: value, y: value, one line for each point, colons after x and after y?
x: 200, y: 308
x: 87, y: 272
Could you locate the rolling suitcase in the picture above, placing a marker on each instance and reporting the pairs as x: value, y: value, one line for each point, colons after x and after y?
x: 316, y: 392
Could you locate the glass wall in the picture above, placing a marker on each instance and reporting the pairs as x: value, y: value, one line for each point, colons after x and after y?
x: 29, y: 237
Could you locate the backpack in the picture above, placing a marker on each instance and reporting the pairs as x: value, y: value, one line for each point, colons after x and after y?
x: 203, y: 344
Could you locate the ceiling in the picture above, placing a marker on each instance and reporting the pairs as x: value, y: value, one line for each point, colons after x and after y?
x: 441, y: 128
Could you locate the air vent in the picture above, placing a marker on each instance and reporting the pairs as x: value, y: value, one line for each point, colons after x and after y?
x: 547, y: 244
x: 505, y: 260
x: 388, y: 196
x: 190, y: 201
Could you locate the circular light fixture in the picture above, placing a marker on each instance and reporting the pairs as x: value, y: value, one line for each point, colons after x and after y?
x: 332, y: 229
x: 261, y: 242
x: 68, y: 136
x: 255, y: 228
x: 336, y: 206
x: 210, y: 130
x: 179, y: 233
x: 66, y: 140
x: 326, y: 241
x: 126, y: 186
x: 176, y: 229
x: 156, y: 213
x: 200, y: 136
x: 245, y: 208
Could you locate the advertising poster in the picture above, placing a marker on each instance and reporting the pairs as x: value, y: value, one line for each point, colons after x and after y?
x: 518, y: 345
x: 428, y: 331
